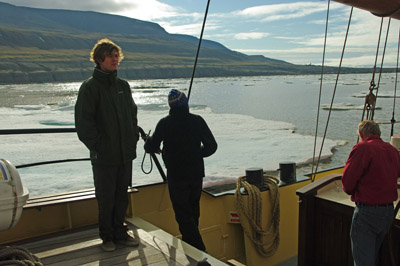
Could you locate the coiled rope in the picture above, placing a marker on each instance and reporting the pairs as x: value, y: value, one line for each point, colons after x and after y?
x: 266, y: 241
x: 153, y: 157
x: 18, y: 256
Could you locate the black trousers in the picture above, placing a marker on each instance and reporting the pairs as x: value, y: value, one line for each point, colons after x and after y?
x: 111, y: 187
x: 185, y: 198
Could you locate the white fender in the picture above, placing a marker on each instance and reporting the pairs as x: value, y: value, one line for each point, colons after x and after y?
x: 13, y: 195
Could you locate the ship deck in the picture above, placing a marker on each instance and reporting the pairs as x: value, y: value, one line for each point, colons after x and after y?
x: 83, y: 247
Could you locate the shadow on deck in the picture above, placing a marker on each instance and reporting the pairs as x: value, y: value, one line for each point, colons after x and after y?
x: 84, y: 248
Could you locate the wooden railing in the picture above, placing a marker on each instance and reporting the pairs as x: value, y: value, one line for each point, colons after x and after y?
x: 324, y: 230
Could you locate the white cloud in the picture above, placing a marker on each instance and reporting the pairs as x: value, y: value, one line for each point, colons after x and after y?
x: 282, y: 11
x: 150, y: 10
x: 189, y: 29
x: 251, y: 35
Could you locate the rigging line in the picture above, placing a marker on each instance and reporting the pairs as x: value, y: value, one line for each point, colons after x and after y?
x: 198, y: 49
x: 51, y: 162
x: 383, y: 55
x: 393, y: 121
x: 333, y: 95
x: 320, y: 86
x: 376, y: 56
x: 371, y: 115
x: 380, y: 70
x: 372, y: 83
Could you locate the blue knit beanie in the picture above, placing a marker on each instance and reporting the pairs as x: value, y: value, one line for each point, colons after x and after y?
x: 177, y: 98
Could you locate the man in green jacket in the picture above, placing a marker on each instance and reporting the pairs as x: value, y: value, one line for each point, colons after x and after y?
x: 106, y: 122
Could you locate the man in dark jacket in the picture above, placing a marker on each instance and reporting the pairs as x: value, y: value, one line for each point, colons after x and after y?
x: 106, y: 122
x: 186, y: 141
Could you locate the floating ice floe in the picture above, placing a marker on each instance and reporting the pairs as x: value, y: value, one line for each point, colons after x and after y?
x: 384, y: 94
x: 344, y: 107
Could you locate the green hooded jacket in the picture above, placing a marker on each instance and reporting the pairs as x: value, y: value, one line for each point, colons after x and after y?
x: 106, y: 119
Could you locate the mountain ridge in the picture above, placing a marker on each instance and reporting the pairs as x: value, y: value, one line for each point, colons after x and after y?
x: 53, y: 45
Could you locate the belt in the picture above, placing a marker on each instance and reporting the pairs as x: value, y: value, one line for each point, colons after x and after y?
x: 376, y: 205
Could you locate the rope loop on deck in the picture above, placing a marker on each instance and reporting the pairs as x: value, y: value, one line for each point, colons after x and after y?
x: 13, y: 255
x: 266, y: 241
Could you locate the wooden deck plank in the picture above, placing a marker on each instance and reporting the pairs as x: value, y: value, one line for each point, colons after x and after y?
x: 70, y: 253
x: 51, y: 248
x: 84, y: 248
x: 167, y: 249
x: 95, y: 255
x: 136, y: 258
x: 174, y: 247
x: 62, y: 240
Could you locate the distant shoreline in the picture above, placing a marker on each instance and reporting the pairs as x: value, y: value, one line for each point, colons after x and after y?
x: 80, y: 76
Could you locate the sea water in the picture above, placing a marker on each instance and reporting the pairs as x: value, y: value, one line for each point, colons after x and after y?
x: 257, y: 122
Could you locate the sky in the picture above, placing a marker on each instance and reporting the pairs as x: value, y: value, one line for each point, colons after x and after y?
x: 287, y: 30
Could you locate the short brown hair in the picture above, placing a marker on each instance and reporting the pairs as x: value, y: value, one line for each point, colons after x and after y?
x: 369, y: 127
x: 102, y: 48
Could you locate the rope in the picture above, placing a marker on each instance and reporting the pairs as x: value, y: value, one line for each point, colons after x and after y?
x: 265, y: 241
x: 153, y: 157
x: 333, y: 96
x: 18, y: 256
x: 198, y: 50
x: 370, y: 99
x: 320, y: 87
x: 376, y: 55
x: 142, y: 164
x: 145, y: 137
x: 393, y: 120
x: 383, y: 56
